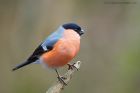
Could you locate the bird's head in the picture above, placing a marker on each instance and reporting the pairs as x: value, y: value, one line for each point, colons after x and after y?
x: 74, y: 27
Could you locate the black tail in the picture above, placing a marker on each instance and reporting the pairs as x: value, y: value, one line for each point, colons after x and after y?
x: 22, y: 65
x: 35, y: 56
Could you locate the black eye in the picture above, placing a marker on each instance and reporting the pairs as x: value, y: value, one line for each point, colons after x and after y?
x: 76, y: 29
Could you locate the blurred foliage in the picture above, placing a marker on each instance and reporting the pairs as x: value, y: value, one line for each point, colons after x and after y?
x: 110, y: 48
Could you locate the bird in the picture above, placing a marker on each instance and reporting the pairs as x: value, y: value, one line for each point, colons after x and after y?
x: 58, y: 49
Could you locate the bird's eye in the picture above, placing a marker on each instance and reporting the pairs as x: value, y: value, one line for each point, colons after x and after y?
x: 76, y: 29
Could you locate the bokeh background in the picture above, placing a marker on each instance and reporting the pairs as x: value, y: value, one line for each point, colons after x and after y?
x: 110, y: 48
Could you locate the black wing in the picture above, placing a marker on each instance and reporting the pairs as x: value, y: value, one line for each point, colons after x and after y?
x: 35, y: 56
x: 38, y: 52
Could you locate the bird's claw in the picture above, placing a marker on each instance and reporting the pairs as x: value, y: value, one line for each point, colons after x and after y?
x: 61, y: 80
x: 71, y: 66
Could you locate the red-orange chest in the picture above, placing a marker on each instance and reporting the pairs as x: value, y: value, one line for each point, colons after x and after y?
x: 63, y: 51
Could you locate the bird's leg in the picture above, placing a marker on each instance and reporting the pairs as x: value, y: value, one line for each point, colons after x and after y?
x: 61, y: 79
x: 71, y: 66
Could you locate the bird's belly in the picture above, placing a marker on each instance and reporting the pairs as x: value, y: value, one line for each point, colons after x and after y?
x: 57, y: 58
x: 60, y: 55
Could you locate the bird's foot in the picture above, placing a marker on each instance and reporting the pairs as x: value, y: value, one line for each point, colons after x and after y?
x: 61, y: 80
x: 71, y: 66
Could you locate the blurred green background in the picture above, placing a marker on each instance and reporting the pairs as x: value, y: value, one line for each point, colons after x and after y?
x: 110, y: 48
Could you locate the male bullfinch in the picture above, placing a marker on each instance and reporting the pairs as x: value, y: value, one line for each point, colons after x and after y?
x: 58, y: 49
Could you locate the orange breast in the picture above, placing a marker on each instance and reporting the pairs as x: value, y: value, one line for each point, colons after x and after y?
x: 64, y: 50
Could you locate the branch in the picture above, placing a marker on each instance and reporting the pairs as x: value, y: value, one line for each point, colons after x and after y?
x: 58, y: 86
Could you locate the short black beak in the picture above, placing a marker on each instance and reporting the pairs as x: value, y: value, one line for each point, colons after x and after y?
x: 81, y: 32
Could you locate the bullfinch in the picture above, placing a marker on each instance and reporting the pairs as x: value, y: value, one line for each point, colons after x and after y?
x: 58, y: 49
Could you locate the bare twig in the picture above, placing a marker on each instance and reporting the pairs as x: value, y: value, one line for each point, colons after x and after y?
x: 58, y: 86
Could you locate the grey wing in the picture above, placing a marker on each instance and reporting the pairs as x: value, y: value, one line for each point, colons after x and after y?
x: 53, y: 38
